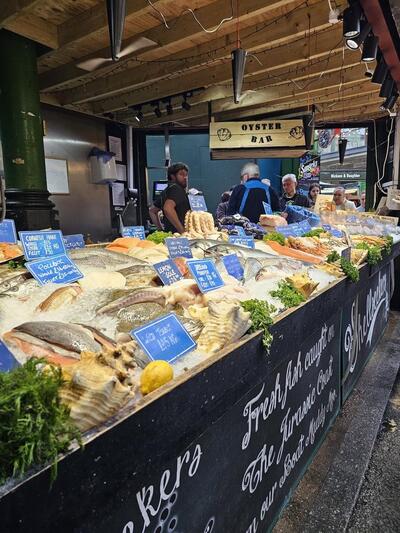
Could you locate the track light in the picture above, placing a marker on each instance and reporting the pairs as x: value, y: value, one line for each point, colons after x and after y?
x: 342, y: 149
x: 380, y: 72
x: 351, y: 21
x: 387, y: 87
x: 169, y: 108
x: 238, y: 65
x: 370, y: 48
x: 157, y: 110
x: 390, y: 101
x: 138, y: 112
x: 353, y: 43
x: 185, y: 104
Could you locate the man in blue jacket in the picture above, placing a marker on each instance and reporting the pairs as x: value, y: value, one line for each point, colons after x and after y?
x: 248, y: 197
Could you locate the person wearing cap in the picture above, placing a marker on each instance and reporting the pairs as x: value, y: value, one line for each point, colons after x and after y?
x: 290, y: 195
x: 341, y: 202
x: 248, y: 197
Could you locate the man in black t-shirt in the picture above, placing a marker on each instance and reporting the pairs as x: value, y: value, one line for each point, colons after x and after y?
x: 174, y: 199
x: 290, y: 195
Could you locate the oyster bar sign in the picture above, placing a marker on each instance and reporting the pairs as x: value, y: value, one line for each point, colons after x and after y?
x: 256, y: 134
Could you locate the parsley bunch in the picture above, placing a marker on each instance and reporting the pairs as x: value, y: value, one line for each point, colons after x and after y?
x: 349, y: 269
x: 288, y: 295
x: 374, y: 252
x: 275, y: 236
x: 260, y: 315
x: 314, y: 232
x: 333, y: 257
x: 34, y: 425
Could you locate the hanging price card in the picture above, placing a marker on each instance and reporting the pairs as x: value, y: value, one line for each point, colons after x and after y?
x: 205, y: 274
x: 178, y: 247
x: 233, y: 266
x: 133, y: 231
x: 37, y: 244
x: 247, y: 241
x: 7, y: 231
x: 57, y: 269
x: 7, y: 360
x: 74, y: 241
x: 168, y: 272
x: 197, y: 202
x: 164, y: 339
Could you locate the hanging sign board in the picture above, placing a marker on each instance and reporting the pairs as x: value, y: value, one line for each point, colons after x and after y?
x: 257, y: 134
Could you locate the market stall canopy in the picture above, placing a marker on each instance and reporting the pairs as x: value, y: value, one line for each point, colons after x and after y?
x: 177, y: 68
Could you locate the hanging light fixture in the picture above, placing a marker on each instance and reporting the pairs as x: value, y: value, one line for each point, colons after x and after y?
x: 380, y: 72
x: 353, y: 43
x: 137, y: 110
x: 157, y: 110
x: 185, y: 104
x: 116, y: 10
x: 169, y: 108
x: 387, y: 87
x: 342, y: 149
x: 370, y: 48
x: 238, y: 66
x: 351, y: 21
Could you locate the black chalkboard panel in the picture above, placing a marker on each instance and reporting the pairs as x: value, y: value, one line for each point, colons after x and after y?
x: 364, y: 321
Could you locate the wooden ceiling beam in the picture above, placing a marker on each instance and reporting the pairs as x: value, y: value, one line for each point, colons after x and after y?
x: 294, y: 53
x: 34, y: 28
x: 138, y: 74
x: 12, y: 9
x: 367, y: 112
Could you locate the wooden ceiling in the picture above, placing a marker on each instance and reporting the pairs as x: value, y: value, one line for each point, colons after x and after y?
x: 296, y: 59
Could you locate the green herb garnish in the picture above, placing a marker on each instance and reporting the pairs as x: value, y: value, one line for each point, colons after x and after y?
x: 388, y: 244
x: 34, y: 425
x: 158, y: 237
x: 314, y: 232
x: 260, y: 314
x: 349, y: 269
x: 275, y: 236
x: 14, y: 264
x: 333, y: 257
x: 374, y: 252
x: 288, y: 295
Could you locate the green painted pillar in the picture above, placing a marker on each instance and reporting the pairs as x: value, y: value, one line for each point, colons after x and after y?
x: 21, y: 134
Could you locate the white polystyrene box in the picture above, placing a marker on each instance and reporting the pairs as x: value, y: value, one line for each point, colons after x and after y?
x: 102, y: 172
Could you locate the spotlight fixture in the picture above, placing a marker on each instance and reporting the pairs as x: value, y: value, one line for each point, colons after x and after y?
x: 138, y: 112
x: 185, y: 105
x: 169, y: 108
x: 368, y: 73
x: 370, y: 48
x: 351, y: 21
x: 387, y: 87
x: 390, y: 101
x: 380, y: 72
x: 353, y: 43
x: 238, y: 65
x: 157, y: 110
x: 342, y: 149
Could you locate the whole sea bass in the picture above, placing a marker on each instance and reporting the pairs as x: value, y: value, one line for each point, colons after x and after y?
x: 103, y: 259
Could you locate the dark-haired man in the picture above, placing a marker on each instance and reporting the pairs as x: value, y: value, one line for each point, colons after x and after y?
x: 174, y: 199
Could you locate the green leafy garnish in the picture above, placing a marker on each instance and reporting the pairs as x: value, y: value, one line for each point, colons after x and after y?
x: 314, y: 232
x: 260, y: 315
x: 158, y: 237
x: 288, y: 295
x: 349, y: 269
x: 333, y: 257
x: 14, y: 264
x: 374, y: 252
x: 34, y: 425
x: 275, y: 236
x: 388, y: 244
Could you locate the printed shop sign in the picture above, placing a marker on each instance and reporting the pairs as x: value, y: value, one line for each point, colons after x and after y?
x: 256, y: 134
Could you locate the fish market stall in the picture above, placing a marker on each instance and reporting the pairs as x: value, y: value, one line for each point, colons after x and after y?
x: 218, y: 438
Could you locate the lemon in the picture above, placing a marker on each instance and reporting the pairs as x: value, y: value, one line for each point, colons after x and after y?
x: 154, y: 375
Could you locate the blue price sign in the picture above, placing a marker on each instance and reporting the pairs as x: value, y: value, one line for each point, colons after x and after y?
x: 267, y: 208
x: 134, y: 231
x: 240, y: 231
x: 205, y: 274
x: 305, y: 226
x: 287, y: 231
x: 326, y: 227
x: 7, y: 231
x: 57, y: 269
x: 242, y: 241
x: 178, y: 247
x: 168, y: 272
x: 37, y: 244
x: 7, y: 360
x: 197, y: 202
x: 334, y: 232
x: 164, y: 339
x: 233, y: 266
x: 74, y: 241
